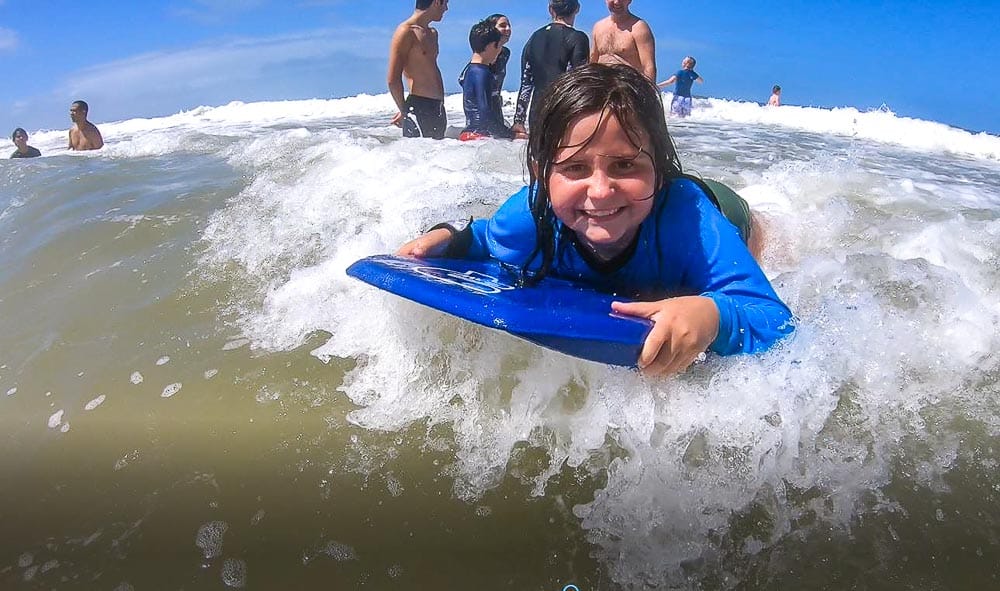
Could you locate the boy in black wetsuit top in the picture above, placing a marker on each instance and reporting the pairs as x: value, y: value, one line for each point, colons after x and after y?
x: 478, y: 81
x: 552, y: 50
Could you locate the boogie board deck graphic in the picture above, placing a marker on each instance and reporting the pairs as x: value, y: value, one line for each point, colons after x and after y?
x: 569, y: 317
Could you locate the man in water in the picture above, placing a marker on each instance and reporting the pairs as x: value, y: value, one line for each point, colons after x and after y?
x: 20, y: 139
x: 775, y: 100
x: 84, y: 135
x: 624, y: 38
x: 552, y: 50
x: 413, y: 54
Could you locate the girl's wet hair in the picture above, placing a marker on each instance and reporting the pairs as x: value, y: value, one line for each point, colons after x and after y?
x: 19, y: 130
x: 617, y: 91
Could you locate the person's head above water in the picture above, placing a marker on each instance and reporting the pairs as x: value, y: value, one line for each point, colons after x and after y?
x: 78, y: 111
x: 483, y: 35
x: 19, y: 134
x: 618, y: 6
x: 564, y: 8
x: 688, y: 63
x: 502, y: 24
x: 438, y: 7
x: 601, y: 156
x: 616, y: 91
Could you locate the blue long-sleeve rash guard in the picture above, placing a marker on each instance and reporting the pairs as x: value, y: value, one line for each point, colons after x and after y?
x: 477, y: 100
x: 684, y: 247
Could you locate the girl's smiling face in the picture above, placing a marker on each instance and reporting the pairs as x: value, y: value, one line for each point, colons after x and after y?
x: 503, y: 25
x: 602, y: 183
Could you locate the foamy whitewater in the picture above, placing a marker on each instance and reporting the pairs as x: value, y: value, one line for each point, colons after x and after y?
x: 193, y: 391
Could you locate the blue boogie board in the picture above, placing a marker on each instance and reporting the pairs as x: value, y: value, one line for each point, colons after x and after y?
x: 568, y: 317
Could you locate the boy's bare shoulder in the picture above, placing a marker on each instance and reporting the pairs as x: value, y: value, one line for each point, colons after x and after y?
x: 405, y: 29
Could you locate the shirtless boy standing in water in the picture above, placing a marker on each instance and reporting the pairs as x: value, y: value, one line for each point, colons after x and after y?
x: 413, y: 54
x: 84, y: 135
x: 624, y: 38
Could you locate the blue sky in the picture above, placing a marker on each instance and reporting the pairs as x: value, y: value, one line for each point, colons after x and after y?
x: 931, y: 60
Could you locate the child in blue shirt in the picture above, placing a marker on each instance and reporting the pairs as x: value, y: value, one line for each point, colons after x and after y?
x: 478, y: 82
x: 684, y: 79
x: 608, y: 203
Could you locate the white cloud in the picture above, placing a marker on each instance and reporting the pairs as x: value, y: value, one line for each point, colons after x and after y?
x: 314, y: 64
x: 244, y: 59
x: 8, y: 38
x: 318, y: 3
x: 214, y: 11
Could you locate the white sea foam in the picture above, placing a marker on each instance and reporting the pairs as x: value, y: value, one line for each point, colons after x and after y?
x: 127, y: 459
x: 210, y: 538
x: 171, y: 389
x: 163, y: 135
x: 29, y: 573
x: 234, y: 573
x: 95, y: 402
x: 335, y: 550
x: 879, y: 125
x: 882, y: 237
x: 56, y: 419
x: 235, y: 344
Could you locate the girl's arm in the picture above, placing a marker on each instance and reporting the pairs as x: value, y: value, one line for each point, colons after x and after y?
x: 430, y: 245
x: 509, y: 235
x: 732, y: 307
x: 751, y: 315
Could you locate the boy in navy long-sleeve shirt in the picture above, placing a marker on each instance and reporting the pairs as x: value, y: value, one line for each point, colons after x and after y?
x: 477, y: 82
